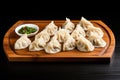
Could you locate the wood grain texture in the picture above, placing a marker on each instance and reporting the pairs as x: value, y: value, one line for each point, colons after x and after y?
x: 99, y: 54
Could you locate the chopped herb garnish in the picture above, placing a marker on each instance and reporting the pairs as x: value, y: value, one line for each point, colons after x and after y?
x: 27, y: 30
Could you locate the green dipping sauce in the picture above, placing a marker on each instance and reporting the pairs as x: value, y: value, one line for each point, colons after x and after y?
x: 27, y: 30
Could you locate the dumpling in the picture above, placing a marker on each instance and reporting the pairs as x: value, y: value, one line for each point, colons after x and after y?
x: 97, y: 41
x: 77, y: 32
x: 84, y: 45
x: 94, y: 31
x: 62, y: 35
x: 51, y: 28
x: 43, y: 34
x: 80, y: 29
x: 85, y: 23
x: 53, y: 46
x: 23, y: 42
x: 37, y: 45
x: 68, y: 25
x: 69, y: 44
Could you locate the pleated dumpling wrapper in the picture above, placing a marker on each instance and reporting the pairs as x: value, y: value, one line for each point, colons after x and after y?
x: 23, y: 42
x: 68, y: 25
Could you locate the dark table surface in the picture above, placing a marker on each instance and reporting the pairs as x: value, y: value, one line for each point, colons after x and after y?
x: 61, y: 70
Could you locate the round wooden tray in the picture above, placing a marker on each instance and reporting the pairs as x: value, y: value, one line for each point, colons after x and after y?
x: 99, y: 54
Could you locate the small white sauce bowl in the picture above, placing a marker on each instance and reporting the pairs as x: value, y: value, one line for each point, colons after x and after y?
x: 28, y: 25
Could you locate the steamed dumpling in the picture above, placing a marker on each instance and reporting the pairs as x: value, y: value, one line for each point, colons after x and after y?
x: 94, y: 31
x: 84, y: 45
x: 44, y: 35
x: 77, y: 32
x: 23, y: 42
x: 51, y: 28
x: 62, y: 35
x: 85, y: 23
x: 68, y: 25
x: 37, y: 45
x: 97, y: 41
x: 80, y: 30
x: 53, y: 46
x: 69, y: 44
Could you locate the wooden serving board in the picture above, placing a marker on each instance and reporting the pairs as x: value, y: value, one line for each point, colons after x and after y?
x: 99, y: 54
